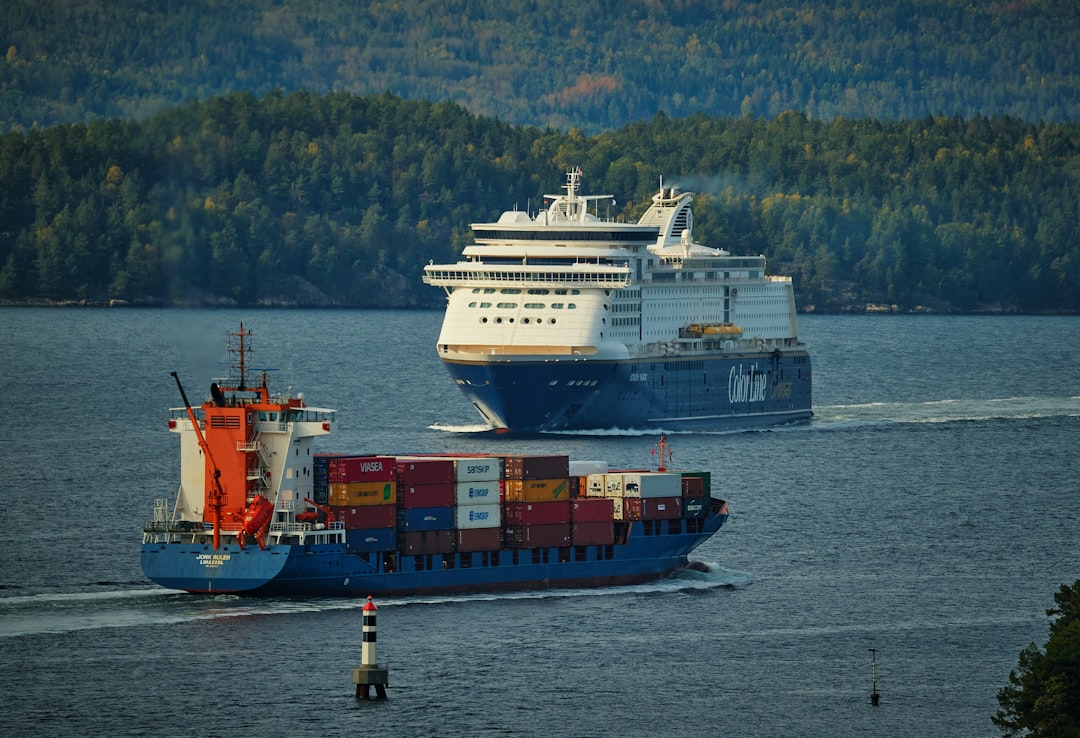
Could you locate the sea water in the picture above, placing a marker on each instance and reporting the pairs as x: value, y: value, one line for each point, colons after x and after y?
x: 928, y: 512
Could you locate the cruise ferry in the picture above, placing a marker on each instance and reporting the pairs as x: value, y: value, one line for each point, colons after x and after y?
x: 567, y: 320
x: 261, y: 511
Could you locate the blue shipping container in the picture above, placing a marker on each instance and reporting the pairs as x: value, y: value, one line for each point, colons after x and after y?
x: 426, y: 518
x: 366, y: 540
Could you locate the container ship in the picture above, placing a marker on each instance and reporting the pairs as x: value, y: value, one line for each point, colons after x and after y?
x: 566, y: 320
x: 260, y: 512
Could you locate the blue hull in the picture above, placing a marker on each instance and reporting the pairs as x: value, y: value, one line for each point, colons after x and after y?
x: 330, y: 570
x: 691, y: 393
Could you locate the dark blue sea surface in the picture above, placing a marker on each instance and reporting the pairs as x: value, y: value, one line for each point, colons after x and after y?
x: 929, y: 511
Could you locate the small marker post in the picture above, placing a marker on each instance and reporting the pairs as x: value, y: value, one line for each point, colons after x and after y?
x: 369, y: 672
x: 874, y: 696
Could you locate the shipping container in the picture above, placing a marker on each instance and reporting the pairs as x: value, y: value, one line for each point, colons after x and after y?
x: 425, y: 518
x: 416, y: 470
x: 478, y: 516
x: 537, y: 490
x: 425, y: 495
x: 696, y: 483
x: 362, y: 493
x: 627, y: 508
x: 695, y: 508
x: 418, y: 543
x: 652, y: 484
x: 576, y: 485
x: 478, y: 469
x: 585, y: 468
x: 536, y: 513
x: 478, y: 493
x: 595, y: 486
x: 478, y: 539
x: 536, y: 536
x: 613, y: 485
x: 361, y: 469
x: 536, y: 467
x: 366, y: 516
x: 591, y: 510
x: 661, y: 508
x: 593, y: 533
x: 366, y: 540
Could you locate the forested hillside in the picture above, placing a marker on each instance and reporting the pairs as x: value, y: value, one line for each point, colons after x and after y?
x: 340, y: 200
x: 589, y: 64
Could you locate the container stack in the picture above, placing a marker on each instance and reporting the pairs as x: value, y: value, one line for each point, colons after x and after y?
x: 422, y: 505
x: 646, y: 495
x: 363, y: 494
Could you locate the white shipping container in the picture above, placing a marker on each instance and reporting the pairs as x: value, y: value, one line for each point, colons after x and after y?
x: 652, y: 484
x: 478, y: 516
x: 478, y: 493
x: 478, y: 469
x: 613, y: 485
x: 585, y: 468
x: 616, y: 508
x: 594, y: 485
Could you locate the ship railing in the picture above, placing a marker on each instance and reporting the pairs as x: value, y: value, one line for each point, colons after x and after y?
x: 584, y: 275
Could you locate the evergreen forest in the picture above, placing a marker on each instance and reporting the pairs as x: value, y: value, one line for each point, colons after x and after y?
x: 301, y: 198
x: 593, y: 65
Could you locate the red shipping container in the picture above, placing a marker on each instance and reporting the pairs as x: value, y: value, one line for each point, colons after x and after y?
x: 417, y: 543
x: 631, y: 508
x: 426, y: 495
x: 536, y: 513
x: 536, y: 467
x: 661, y: 508
x: 366, y: 516
x: 593, y: 533
x: 536, y: 536
x: 592, y: 510
x: 478, y: 539
x: 361, y: 469
x: 416, y: 471
x: 693, y: 487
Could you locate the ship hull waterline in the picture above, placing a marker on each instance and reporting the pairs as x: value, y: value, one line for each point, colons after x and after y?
x: 330, y: 570
x: 687, y: 394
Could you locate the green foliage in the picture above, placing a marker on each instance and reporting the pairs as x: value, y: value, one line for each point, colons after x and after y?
x: 340, y: 200
x: 1043, y: 696
x: 561, y: 63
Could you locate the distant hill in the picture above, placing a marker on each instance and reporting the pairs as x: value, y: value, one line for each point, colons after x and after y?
x: 593, y: 65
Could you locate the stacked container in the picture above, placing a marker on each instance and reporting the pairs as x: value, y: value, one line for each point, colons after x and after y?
x: 536, y: 513
x: 362, y: 493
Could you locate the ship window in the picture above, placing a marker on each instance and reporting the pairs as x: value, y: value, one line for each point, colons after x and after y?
x: 525, y: 321
x: 534, y: 306
x: 498, y: 320
x: 560, y: 292
x: 506, y: 305
x: 557, y: 305
x: 510, y: 291
x: 539, y: 292
x: 473, y: 304
x: 571, y: 306
x: 552, y: 321
x: 489, y: 290
x: 485, y: 304
x: 483, y: 320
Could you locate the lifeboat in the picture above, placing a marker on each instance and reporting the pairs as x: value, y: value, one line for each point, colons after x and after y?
x: 722, y: 330
x: 256, y: 518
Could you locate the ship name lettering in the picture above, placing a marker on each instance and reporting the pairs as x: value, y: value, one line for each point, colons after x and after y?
x: 482, y: 515
x: 212, y: 560
x: 481, y: 492
x: 477, y: 469
x: 639, y: 377
x: 748, y: 386
x: 371, y: 466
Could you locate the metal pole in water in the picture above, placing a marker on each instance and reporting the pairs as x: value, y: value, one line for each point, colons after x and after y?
x: 874, y: 696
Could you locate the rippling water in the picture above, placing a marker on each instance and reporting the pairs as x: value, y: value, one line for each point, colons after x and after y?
x: 929, y: 511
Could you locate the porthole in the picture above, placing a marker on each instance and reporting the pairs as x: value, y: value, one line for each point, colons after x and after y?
x: 552, y: 321
x: 483, y: 320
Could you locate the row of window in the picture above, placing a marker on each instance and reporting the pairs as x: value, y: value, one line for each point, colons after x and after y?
x: 528, y: 305
x: 518, y: 291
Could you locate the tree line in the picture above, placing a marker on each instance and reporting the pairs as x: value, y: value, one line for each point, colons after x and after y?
x: 587, y: 64
x: 338, y: 199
